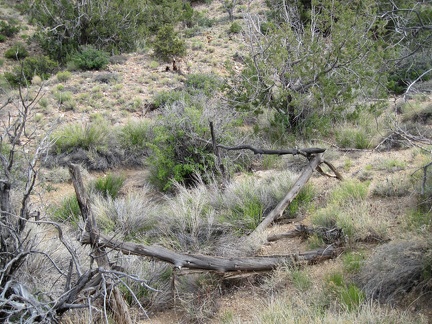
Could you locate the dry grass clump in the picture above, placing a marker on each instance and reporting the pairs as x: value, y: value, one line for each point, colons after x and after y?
x: 299, y: 310
x: 323, y: 295
x: 396, y: 269
x: 196, y: 296
x: 129, y: 216
x: 393, y: 186
x: 349, y: 209
x: 156, y: 293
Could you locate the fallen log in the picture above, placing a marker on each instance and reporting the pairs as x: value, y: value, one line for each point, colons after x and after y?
x: 283, y: 204
x: 205, y: 262
x: 304, y: 151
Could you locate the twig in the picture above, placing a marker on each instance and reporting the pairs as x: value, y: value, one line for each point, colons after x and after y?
x: 414, y: 82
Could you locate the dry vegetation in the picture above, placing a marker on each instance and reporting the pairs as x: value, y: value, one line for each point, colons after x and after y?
x: 383, y: 275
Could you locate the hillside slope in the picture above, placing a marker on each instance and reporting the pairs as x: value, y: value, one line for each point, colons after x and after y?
x: 376, y: 204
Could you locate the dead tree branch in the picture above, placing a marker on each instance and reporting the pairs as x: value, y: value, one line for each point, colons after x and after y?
x: 205, y: 262
x: 306, y: 152
x: 283, y: 204
x: 117, y: 304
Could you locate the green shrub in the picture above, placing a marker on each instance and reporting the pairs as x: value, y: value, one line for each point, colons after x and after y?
x: 267, y: 27
x: 31, y: 66
x: 16, y: 52
x: 67, y: 211
x: 2, y: 38
x: 419, y: 219
x: 353, y: 138
x: 63, y: 76
x: 88, y: 137
x: 7, y: 29
x: 300, y: 279
x: 109, y: 185
x: 175, y: 155
x: 134, y: 135
x: 113, y: 26
x: 166, y: 98
x: 235, y: 28
x: 248, y: 213
x: 396, y: 186
x: 63, y: 96
x: 207, y: 83
x: 326, y: 217
x: 167, y: 44
x: 89, y: 58
x: 351, y: 297
x: 203, y: 20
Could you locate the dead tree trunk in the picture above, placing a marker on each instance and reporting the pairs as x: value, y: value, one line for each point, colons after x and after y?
x: 298, y: 185
x: 116, y: 302
x: 205, y: 262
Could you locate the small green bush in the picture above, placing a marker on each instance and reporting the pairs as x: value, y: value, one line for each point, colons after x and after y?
x: 7, y: 29
x: 167, y: 44
x: 203, y: 20
x: 31, y: 66
x: 109, y: 186
x: 16, y: 52
x: 175, y: 156
x: 419, y: 219
x: 267, y: 27
x: 207, y: 83
x: 353, y: 138
x: 63, y: 76
x: 248, y: 213
x: 164, y: 98
x: 134, y: 135
x: 63, y: 96
x: 90, y: 58
x: 300, y: 279
x: 396, y: 186
x: 235, y: 28
x: 2, y: 38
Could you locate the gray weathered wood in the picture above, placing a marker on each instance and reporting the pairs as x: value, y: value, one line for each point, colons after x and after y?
x: 116, y: 302
x: 283, y: 204
x: 205, y: 262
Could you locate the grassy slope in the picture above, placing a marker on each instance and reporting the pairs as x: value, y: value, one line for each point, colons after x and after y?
x: 282, y: 297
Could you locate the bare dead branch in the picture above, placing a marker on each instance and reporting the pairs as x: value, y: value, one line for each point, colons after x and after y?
x: 283, y: 204
x: 305, y: 151
x: 204, y: 262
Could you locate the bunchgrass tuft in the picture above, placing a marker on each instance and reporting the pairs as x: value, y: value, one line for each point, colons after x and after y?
x: 109, y: 185
x: 350, y: 191
x: 348, y: 295
x: 88, y: 137
x: 67, y: 211
x: 352, y: 261
x: 133, y: 216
